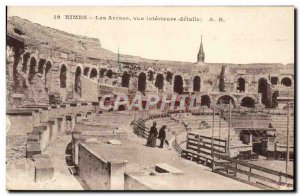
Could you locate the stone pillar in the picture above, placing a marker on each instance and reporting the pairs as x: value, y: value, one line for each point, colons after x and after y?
x: 116, y: 174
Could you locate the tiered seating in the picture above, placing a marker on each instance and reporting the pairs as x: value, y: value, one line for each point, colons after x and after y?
x: 279, y: 122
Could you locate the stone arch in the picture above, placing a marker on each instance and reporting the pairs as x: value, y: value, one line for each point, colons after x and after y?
x: 26, y: 58
x: 86, y: 71
x: 41, y: 66
x: 150, y: 75
x: 109, y: 73
x: 159, y: 81
x: 125, y: 79
x: 77, y: 83
x: 286, y: 81
x: 206, y: 100
x: 178, y: 84
x: 94, y: 74
x: 248, y: 102
x: 241, y: 84
x: 196, y: 83
x: 251, y: 96
x: 48, y: 75
x: 102, y: 72
x: 225, y: 99
x: 63, y: 76
x: 142, y: 82
x: 274, y: 99
x: 169, y: 77
x: 32, y: 68
x: 265, y: 90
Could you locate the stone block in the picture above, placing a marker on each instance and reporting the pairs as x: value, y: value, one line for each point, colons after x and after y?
x: 32, y: 148
x: 166, y: 168
x: 33, y: 137
x: 114, y: 142
x: 44, y: 169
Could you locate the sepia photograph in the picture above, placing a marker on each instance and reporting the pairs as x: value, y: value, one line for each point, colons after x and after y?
x: 160, y: 98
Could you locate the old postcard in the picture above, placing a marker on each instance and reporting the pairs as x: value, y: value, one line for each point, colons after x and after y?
x: 150, y: 98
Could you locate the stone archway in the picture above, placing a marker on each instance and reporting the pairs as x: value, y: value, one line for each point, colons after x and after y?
x: 178, y: 84
x: 142, y: 85
x: 225, y: 99
x: 196, y: 84
x: 286, y: 81
x: 159, y: 81
x: 205, y: 101
x: 26, y: 58
x: 48, y: 76
x: 86, y: 71
x: 102, y: 72
x: 241, y: 84
x: 274, y: 99
x: 41, y: 66
x: 109, y: 73
x: 265, y: 90
x: 125, y: 79
x: 32, y: 69
x: 169, y: 77
x: 93, y: 74
x: 77, y: 84
x: 150, y: 75
x: 248, y: 102
x: 63, y: 76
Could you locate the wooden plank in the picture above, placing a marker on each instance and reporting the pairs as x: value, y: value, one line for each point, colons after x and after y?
x: 270, y: 171
x: 249, y: 174
x: 216, y: 139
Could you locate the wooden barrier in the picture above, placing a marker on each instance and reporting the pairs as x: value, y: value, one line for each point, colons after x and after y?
x: 258, y: 176
x: 199, y: 148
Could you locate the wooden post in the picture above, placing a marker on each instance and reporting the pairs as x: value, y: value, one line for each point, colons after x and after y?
x: 187, y: 139
x: 287, y: 140
x: 212, y: 139
x: 213, y: 130
x: 249, y: 174
x: 229, y: 128
x: 220, y: 125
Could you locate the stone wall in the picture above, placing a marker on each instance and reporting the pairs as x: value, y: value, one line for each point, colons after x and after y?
x: 100, y: 174
x: 89, y: 89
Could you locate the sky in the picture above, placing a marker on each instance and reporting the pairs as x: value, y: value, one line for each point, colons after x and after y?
x: 244, y: 34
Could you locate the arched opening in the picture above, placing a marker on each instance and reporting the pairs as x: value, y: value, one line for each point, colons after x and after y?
x: 169, y: 77
x: 125, y: 79
x: 93, y: 74
x: 63, y: 76
x: 274, y: 99
x: 225, y: 99
x: 48, y: 76
x: 109, y: 73
x: 240, y: 85
x: 142, y: 82
x: 32, y: 69
x: 150, y: 75
x: 196, y: 83
x: 41, y: 66
x: 77, y: 85
x: 265, y: 91
x: 25, y: 62
x: 159, y: 82
x: 248, y: 102
x: 205, y: 100
x: 102, y: 72
x: 286, y: 82
x: 178, y: 84
x: 86, y: 71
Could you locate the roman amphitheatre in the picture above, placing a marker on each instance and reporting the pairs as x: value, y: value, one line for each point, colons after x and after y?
x: 58, y: 138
